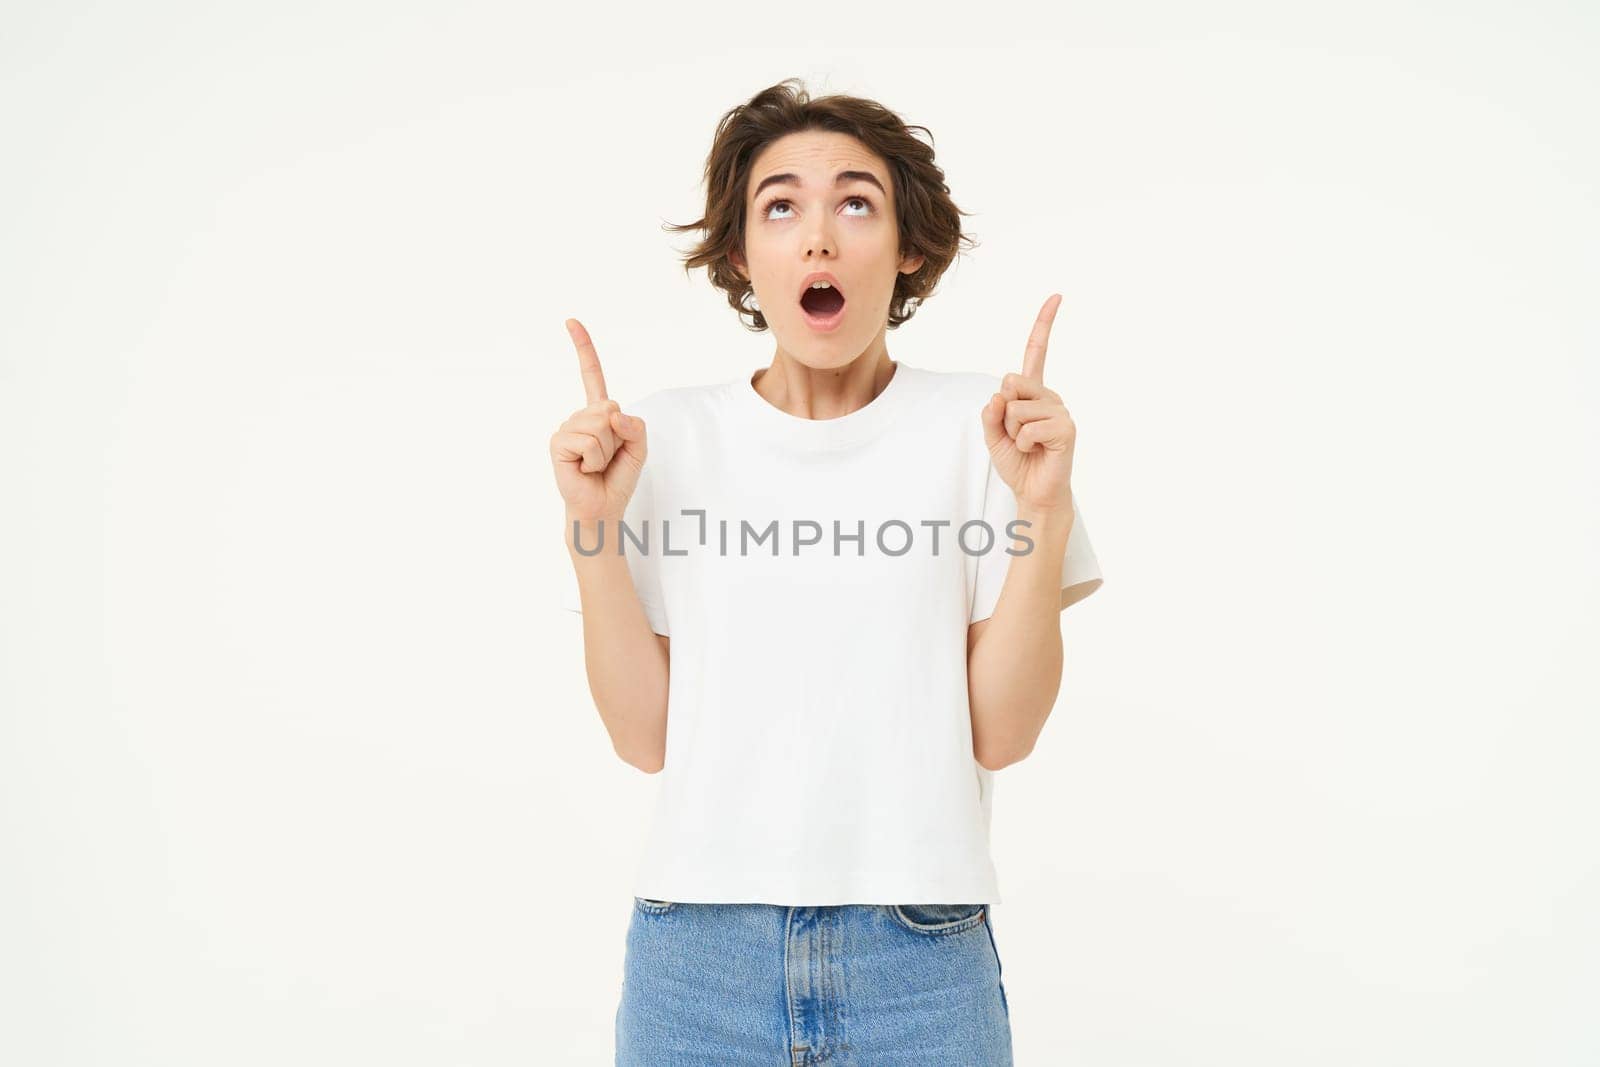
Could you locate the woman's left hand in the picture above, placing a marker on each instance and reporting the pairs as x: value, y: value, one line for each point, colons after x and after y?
x: 1029, y: 430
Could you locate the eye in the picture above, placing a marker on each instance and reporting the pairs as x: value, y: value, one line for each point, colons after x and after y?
x: 766, y: 209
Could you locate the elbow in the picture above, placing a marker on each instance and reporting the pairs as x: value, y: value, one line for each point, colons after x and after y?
x: 994, y: 760
x: 649, y: 762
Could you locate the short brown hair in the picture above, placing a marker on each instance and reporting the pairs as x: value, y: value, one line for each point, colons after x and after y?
x: 929, y: 221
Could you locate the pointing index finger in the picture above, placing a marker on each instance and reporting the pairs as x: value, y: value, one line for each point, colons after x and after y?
x: 594, y: 382
x: 1039, y: 340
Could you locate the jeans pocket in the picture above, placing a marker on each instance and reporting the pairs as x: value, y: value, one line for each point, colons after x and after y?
x: 938, y: 918
x: 653, y: 907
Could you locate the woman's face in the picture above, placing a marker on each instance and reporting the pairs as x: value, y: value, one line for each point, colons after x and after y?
x: 802, y: 217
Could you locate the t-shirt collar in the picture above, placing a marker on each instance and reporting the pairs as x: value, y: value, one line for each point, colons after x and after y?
x: 774, y: 424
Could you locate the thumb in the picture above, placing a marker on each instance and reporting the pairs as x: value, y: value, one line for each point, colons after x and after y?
x: 628, y: 427
x: 631, y: 429
x: 994, y: 420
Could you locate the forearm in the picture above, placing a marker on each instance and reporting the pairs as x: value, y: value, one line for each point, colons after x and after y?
x: 626, y: 661
x: 1014, y: 667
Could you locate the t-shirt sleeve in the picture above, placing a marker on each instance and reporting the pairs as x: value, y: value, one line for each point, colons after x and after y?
x: 644, y: 567
x: 1080, y: 571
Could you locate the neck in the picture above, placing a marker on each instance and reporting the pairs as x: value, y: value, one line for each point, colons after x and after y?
x: 825, y: 392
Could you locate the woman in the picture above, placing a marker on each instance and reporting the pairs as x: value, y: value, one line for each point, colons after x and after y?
x: 818, y: 620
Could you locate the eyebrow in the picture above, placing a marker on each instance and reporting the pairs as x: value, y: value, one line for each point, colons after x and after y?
x: 840, y: 179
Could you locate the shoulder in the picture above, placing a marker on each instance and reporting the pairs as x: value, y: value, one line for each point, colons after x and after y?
x: 683, y: 423
x: 676, y: 407
x: 958, y: 387
x: 956, y: 383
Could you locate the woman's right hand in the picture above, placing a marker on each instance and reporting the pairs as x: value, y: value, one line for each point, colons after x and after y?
x: 598, y: 451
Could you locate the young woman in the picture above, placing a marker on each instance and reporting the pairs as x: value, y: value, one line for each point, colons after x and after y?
x: 826, y: 609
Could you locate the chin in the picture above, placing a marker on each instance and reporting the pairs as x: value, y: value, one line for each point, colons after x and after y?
x: 832, y: 353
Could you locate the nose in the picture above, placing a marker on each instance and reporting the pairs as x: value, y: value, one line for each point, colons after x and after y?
x: 820, y: 241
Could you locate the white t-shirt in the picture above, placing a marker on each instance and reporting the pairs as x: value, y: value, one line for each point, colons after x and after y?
x: 819, y: 738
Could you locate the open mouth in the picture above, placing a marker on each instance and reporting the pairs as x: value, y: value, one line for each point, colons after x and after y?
x: 823, y: 305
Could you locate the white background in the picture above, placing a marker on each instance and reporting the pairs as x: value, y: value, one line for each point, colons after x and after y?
x: 297, y: 760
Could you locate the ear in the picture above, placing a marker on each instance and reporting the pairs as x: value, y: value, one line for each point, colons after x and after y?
x: 737, y: 259
x: 912, y: 265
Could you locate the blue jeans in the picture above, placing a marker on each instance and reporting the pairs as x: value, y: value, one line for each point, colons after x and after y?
x: 877, y: 985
